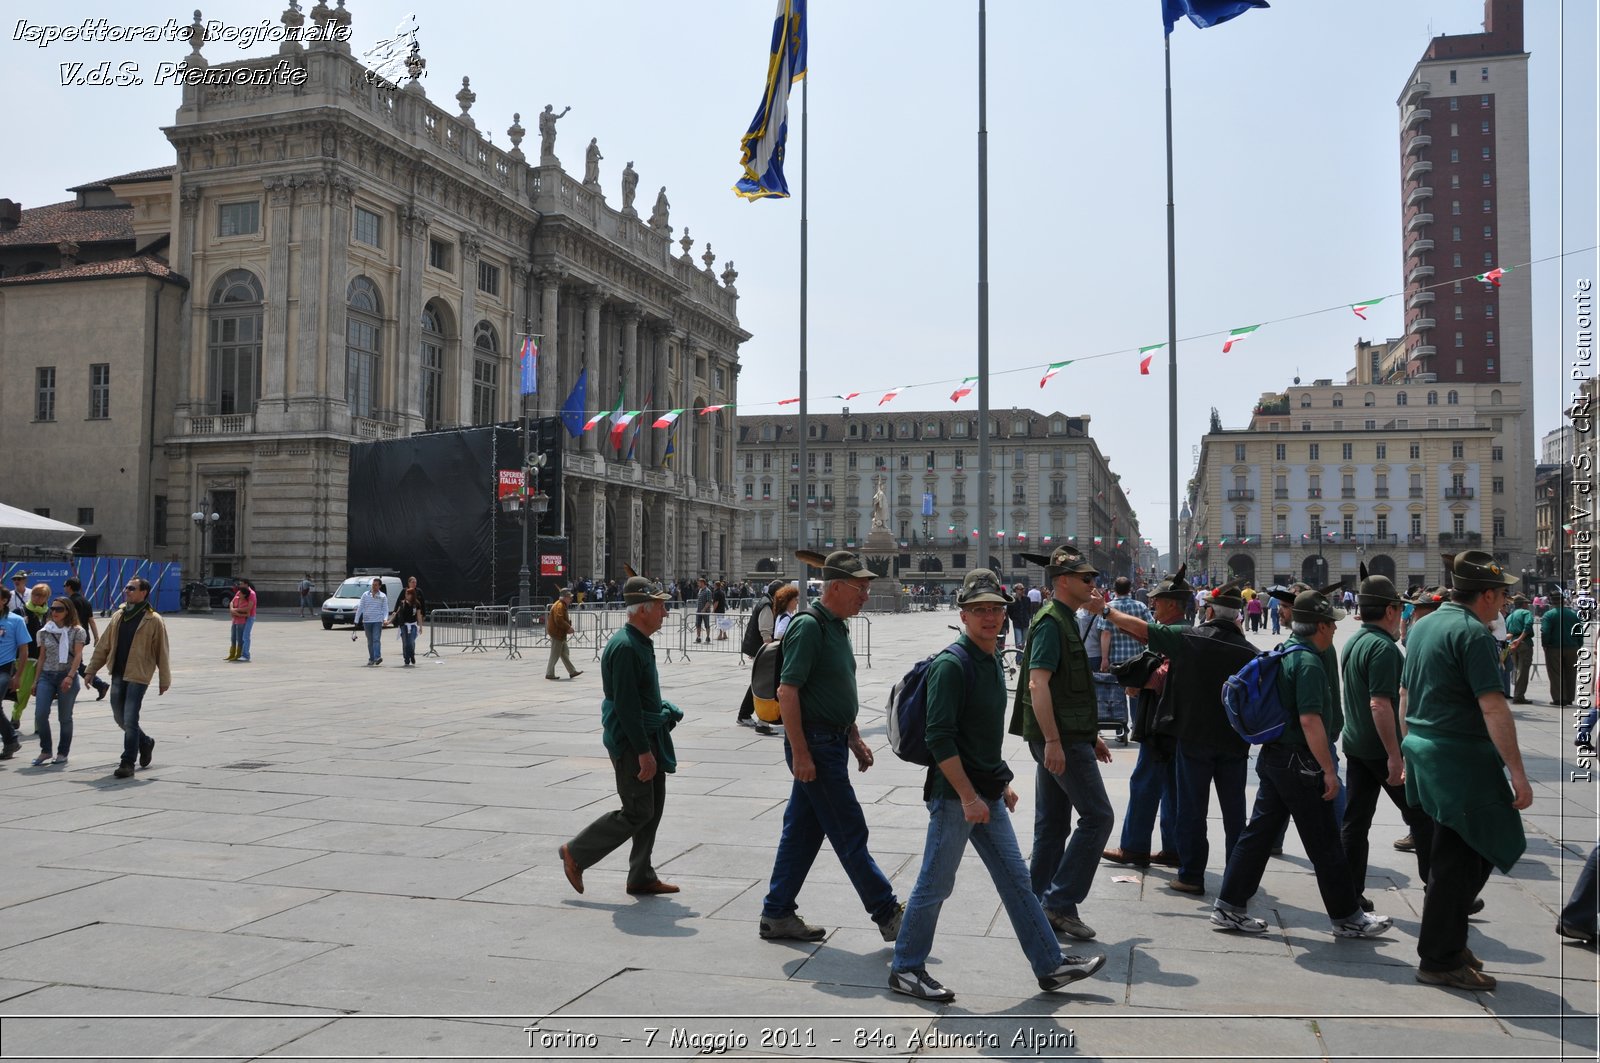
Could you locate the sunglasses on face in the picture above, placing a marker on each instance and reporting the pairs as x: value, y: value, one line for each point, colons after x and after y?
x: 58, y: 609
x: 130, y: 589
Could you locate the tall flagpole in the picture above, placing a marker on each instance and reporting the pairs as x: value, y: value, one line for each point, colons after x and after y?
x: 805, y: 157
x: 984, y: 481
x: 1172, y: 340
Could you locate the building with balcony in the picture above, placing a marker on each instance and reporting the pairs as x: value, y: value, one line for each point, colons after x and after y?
x: 1049, y: 484
x: 344, y: 259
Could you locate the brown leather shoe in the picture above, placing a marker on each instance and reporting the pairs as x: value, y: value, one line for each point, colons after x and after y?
x: 1165, y: 859
x: 651, y: 888
x: 1463, y: 977
x: 574, y: 872
x: 1123, y: 856
x: 1196, y: 888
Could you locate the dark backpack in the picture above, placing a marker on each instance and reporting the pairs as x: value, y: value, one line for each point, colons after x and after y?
x: 768, y: 665
x: 907, y: 711
x: 1250, y: 696
x: 752, y: 631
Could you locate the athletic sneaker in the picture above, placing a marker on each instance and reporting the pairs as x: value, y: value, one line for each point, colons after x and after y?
x: 1227, y: 919
x: 790, y: 928
x: 919, y: 984
x: 1072, y: 969
x: 1070, y: 925
x: 1362, y: 925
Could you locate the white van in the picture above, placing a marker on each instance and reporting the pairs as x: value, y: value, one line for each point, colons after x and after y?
x: 341, y: 608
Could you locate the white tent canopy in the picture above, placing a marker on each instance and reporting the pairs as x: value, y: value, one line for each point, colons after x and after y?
x: 20, y: 529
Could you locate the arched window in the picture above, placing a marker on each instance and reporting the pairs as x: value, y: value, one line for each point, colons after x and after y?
x: 1433, y: 398
x: 362, y: 335
x: 1495, y: 398
x: 1452, y: 398
x: 233, y: 343
x: 1400, y: 399
x: 431, y: 358
x: 1338, y: 399
x: 485, y: 373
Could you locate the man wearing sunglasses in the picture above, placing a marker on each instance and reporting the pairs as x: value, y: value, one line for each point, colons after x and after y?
x: 135, y: 642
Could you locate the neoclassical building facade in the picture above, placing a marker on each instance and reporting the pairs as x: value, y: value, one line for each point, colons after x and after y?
x: 349, y: 261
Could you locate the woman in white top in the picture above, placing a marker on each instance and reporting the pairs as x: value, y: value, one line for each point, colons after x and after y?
x: 61, y: 641
x: 371, y: 614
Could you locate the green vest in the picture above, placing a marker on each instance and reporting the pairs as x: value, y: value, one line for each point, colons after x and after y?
x: 1072, y: 692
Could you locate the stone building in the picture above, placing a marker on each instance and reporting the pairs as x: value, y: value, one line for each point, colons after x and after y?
x: 1050, y: 484
x: 332, y: 258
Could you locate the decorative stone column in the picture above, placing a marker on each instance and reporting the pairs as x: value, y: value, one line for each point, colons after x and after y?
x: 341, y: 195
x: 194, y: 338
x: 632, y: 382
x: 305, y: 389
x: 275, y: 323
x: 591, y: 359
x: 408, y: 313
x: 554, y: 383
x: 471, y: 247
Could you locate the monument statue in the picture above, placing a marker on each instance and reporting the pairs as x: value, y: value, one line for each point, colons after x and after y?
x: 630, y: 185
x: 658, y: 216
x: 591, y: 166
x: 880, y: 506
x: 547, y: 129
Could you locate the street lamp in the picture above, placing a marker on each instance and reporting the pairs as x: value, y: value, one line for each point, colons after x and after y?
x: 539, y: 504
x: 203, y: 522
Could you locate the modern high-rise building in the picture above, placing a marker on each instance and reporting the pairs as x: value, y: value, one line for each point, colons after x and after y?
x: 1465, y: 216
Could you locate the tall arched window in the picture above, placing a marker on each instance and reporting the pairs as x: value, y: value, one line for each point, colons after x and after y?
x: 485, y: 373
x: 1400, y: 399
x: 431, y: 357
x: 362, y: 324
x: 1452, y: 398
x: 233, y: 343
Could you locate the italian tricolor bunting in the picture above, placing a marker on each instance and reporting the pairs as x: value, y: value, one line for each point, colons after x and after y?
x: 964, y: 390
x: 1144, y: 365
x: 666, y: 419
x: 1236, y: 335
x: 1360, y: 309
x: 709, y: 410
x: 1052, y: 370
x: 596, y: 419
x: 621, y: 421
x: 1493, y: 276
x: 892, y: 393
x: 789, y: 402
x: 848, y: 397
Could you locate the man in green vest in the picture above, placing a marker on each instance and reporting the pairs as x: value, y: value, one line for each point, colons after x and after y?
x: 1561, y: 633
x: 1519, y: 630
x: 1460, y: 741
x: 1056, y: 710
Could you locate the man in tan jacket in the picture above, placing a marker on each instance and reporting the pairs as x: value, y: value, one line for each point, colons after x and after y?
x: 135, y: 641
x: 558, y: 626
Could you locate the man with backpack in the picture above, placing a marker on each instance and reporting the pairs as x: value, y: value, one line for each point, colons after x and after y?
x: 969, y: 797
x: 1151, y: 786
x: 1210, y: 754
x: 1460, y: 741
x: 1298, y: 781
x: 757, y: 633
x: 818, y: 701
x: 1056, y: 711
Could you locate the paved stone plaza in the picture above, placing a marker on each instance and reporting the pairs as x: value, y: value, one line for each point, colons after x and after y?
x: 328, y: 860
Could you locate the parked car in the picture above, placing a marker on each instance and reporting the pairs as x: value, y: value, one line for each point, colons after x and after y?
x: 217, y: 589
x: 341, y: 607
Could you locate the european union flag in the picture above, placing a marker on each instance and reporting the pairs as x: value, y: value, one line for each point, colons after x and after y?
x: 574, y: 411
x: 530, y: 367
x: 1205, y: 13
x: 762, y: 146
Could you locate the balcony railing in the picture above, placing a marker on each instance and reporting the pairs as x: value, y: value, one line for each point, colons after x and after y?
x: 1418, y: 168
x: 1280, y: 492
x: 1313, y: 492
x: 1418, y: 194
x: 1460, y: 539
x: 225, y: 424
x: 1416, y: 539
x: 1241, y: 494
x: 1282, y: 539
x: 1423, y: 324
x: 1347, y: 492
x: 1380, y: 492
x: 1459, y: 492
x: 1417, y: 143
x: 1416, y: 492
x: 1417, y: 221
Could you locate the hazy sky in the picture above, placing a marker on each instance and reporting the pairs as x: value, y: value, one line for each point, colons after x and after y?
x: 1287, y: 166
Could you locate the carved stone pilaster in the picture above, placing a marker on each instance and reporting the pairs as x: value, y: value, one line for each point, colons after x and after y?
x: 471, y: 247
x: 414, y: 221
x: 189, y: 201
x: 521, y: 270
x: 341, y: 191
x: 310, y: 188
x: 280, y: 190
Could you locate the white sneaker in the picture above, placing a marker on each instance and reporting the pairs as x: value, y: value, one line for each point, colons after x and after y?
x: 919, y: 984
x: 1072, y: 969
x: 1362, y: 925
x: 1225, y: 919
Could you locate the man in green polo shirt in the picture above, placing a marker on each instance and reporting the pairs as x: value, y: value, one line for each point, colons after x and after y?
x: 1561, y: 633
x: 1519, y: 630
x: 1056, y: 710
x: 636, y: 726
x: 1298, y: 780
x: 969, y: 797
x: 1460, y: 741
x: 1373, y: 729
x: 817, y: 700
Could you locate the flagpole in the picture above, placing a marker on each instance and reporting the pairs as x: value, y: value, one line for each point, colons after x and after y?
x: 803, y: 525
x: 1172, y: 338
x: 983, y: 291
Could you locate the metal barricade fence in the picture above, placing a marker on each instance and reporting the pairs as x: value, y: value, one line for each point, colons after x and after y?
x: 455, y: 629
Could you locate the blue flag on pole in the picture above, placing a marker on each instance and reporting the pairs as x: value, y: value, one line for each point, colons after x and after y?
x: 574, y: 411
x: 530, y: 367
x: 762, y: 146
x: 1205, y: 13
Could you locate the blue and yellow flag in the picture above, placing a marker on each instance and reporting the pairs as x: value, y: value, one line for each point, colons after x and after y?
x: 762, y: 146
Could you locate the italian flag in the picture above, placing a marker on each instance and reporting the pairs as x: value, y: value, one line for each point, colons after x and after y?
x: 1052, y: 370
x: 666, y: 419
x: 721, y: 406
x: 1360, y: 309
x: 848, y: 397
x: 1493, y: 276
x: 619, y: 422
x: 964, y: 390
x: 892, y: 393
x: 596, y: 419
x: 781, y: 402
x: 1236, y: 335
x: 1144, y: 365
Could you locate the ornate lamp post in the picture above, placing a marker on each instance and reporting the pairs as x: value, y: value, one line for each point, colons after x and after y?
x: 204, y: 521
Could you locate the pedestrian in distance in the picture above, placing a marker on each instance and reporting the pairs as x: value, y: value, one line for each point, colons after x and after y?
x: 760, y: 628
x: 306, y: 586
x: 14, y: 647
x: 407, y: 619
x: 558, y: 628
x: 239, y: 614
x: 1561, y: 634
x: 1519, y: 629
x: 135, y: 647
x: 969, y: 798
x: 702, y: 610
x: 371, y: 613
x: 636, y: 726
x: 61, y: 641
x: 1152, y: 788
x: 73, y: 588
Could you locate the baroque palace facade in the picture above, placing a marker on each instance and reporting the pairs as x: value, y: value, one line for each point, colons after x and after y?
x: 340, y: 260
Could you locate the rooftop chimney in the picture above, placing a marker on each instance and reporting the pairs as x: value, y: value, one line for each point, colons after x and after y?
x: 10, y: 214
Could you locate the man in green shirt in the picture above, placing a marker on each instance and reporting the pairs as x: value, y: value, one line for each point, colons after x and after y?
x: 1460, y: 741
x: 969, y: 797
x: 1373, y: 729
x: 817, y: 700
x: 1057, y: 711
x: 1298, y: 780
x: 1561, y: 633
x: 636, y: 727
x: 1519, y: 630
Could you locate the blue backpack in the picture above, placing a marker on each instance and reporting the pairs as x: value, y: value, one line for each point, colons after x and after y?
x: 1250, y: 696
x: 907, y: 712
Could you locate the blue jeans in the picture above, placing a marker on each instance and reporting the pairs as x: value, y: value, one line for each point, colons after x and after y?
x: 996, y: 843
x: 1290, y: 788
x: 1152, y: 785
x: 126, y: 700
x: 236, y: 638
x: 408, y: 643
x: 244, y: 637
x: 827, y: 808
x: 1200, y: 768
x: 374, y: 640
x: 47, y: 690
x: 1579, y: 912
x: 1275, y: 620
x: 8, y: 732
x: 1062, y: 872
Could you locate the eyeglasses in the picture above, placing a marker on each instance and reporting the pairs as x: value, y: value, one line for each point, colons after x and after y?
x: 58, y: 608
x: 985, y: 609
x: 1087, y: 579
x: 131, y: 589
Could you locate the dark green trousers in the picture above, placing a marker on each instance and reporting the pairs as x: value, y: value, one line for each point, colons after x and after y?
x: 637, y: 819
